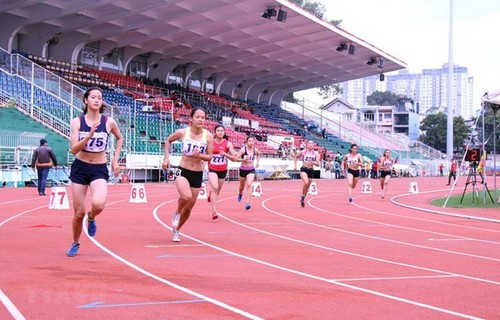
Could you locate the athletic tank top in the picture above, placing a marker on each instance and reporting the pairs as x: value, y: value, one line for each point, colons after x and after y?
x: 99, y: 141
x: 218, y: 161
x: 188, y: 144
x: 309, y: 156
x: 387, y: 163
x: 251, y: 157
x: 352, y: 160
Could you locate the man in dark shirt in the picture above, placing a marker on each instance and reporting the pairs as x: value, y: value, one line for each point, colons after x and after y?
x: 43, y: 160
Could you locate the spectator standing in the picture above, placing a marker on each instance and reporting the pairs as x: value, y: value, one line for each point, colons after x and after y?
x: 43, y: 160
x: 453, y: 172
x: 374, y: 173
x: 336, y: 168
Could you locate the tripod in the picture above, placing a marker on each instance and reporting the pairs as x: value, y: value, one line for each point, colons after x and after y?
x: 471, y: 179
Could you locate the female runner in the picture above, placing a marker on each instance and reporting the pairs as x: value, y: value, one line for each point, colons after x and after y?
x: 197, y: 146
x: 248, y: 154
x: 89, y: 141
x: 385, y: 164
x: 217, y: 167
x: 310, y: 158
x: 352, y: 162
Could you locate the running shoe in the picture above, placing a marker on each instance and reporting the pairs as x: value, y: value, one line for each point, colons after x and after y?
x: 73, y: 250
x: 350, y: 199
x: 247, y: 206
x: 240, y: 196
x: 214, y: 215
x: 302, y: 203
x: 175, y: 236
x: 175, y: 220
x: 91, y: 226
x: 208, y: 198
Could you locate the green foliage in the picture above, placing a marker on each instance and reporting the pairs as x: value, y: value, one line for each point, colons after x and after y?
x: 386, y: 98
x: 434, y: 128
x: 336, y: 22
x: 330, y: 91
x: 317, y: 8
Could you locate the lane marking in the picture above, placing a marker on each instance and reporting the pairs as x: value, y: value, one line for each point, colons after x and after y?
x: 393, y: 200
x: 194, y: 256
x: 100, y: 304
x: 385, y: 239
x: 167, y: 282
x: 420, y: 219
x: 14, y: 312
x: 395, y: 278
x: 451, y: 239
x: 311, y: 276
x: 171, y: 245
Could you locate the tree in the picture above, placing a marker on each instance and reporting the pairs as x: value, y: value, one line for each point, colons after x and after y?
x: 386, y: 98
x: 330, y: 91
x: 434, y: 128
x: 315, y: 7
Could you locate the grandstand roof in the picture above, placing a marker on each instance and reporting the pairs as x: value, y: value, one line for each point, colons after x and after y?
x: 228, y: 38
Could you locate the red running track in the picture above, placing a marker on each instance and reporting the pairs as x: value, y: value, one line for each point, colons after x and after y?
x: 372, y: 259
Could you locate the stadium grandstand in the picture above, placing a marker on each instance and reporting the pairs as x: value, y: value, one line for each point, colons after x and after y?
x: 157, y: 59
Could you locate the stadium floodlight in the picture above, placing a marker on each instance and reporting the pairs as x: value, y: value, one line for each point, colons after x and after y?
x: 342, y: 47
x: 269, y: 13
x: 372, y: 61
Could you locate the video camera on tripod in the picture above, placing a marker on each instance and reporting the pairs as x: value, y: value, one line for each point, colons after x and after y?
x: 474, y: 157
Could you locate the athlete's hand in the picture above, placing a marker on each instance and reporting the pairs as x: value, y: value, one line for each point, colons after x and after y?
x: 195, y: 153
x: 93, y: 128
x: 166, y: 164
x: 115, y: 166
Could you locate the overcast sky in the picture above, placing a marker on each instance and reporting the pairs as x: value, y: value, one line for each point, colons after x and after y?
x: 416, y: 32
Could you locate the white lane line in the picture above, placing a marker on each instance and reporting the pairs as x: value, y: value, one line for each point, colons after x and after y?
x: 386, y: 239
x: 450, y: 239
x: 5, y: 300
x: 167, y: 282
x: 171, y: 245
x: 348, y: 252
x: 14, y: 312
x: 461, y: 226
x: 20, y: 214
x: 394, y: 278
x: 311, y: 276
x: 393, y: 200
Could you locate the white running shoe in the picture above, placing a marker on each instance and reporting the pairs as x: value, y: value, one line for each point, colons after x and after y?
x: 175, y: 236
x: 175, y: 221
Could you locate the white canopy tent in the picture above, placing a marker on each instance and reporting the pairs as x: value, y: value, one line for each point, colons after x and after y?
x: 491, y: 102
